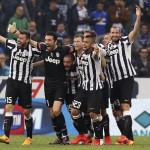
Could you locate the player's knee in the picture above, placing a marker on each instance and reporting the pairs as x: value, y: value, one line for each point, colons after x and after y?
x: 117, y: 113
x: 56, y: 111
x: 93, y: 115
x: 103, y: 112
x: 9, y: 108
x: 74, y: 112
x: 26, y: 112
x: 125, y: 106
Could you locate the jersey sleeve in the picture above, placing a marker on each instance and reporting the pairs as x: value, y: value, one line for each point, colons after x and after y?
x: 41, y: 46
x: 37, y: 52
x: 10, y: 44
x: 125, y: 39
x: 68, y: 49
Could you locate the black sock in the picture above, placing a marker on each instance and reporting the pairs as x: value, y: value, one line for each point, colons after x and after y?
x: 105, y: 121
x: 8, y: 121
x: 79, y: 123
x: 128, y: 127
x: 62, y: 124
x: 56, y: 127
x: 98, y: 129
x: 119, y: 121
x: 29, y: 127
x: 88, y: 123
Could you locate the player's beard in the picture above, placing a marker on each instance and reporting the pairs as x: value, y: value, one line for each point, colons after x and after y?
x: 22, y: 45
x: 115, y: 40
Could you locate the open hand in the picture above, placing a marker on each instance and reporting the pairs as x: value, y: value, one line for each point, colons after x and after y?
x: 11, y: 27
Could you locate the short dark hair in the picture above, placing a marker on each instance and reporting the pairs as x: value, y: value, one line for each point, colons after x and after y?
x: 53, y: 1
x: 91, y: 32
x: 25, y: 32
x: 100, y: 2
x: 79, y: 35
x: 70, y: 55
x: 116, y: 28
x: 51, y: 33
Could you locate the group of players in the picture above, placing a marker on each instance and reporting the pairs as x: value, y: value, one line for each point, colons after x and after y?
x: 86, y: 74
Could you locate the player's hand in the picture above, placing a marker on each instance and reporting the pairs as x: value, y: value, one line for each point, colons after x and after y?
x: 138, y: 11
x: 12, y: 28
x: 96, y: 48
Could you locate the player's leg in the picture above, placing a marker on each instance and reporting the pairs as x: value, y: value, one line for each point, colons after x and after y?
x: 50, y: 97
x: 60, y: 94
x: 93, y: 106
x: 115, y: 104
x: 127, y: 88
x: 78, y: 106
x: 25, y: 100
x: 11, y: 97
x: 105, y: 116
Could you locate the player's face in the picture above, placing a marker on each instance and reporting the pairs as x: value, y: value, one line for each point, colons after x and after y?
x: 22, y: 40
x: 67, y: 63
x: 50, y: 43
x: 115, y: 34
x: 78, y: 43
x: 106, y: 39
x: 87, y: 44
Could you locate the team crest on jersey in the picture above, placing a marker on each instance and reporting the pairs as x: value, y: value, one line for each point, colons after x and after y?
x: 112, y: 49
x: 25, y: 53
x: 85, y: 62
x: 57, y: 54
x: 51, y: 54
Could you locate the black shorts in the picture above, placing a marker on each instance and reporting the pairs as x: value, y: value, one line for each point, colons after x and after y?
x: 88, y: 101
x: 122, y: 91
x: 18, y: 90
x: 69, y: 99
x: 106, y: 93
x: 57, y: 93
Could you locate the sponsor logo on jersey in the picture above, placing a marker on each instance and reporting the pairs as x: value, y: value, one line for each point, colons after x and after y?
x: 51, y: 60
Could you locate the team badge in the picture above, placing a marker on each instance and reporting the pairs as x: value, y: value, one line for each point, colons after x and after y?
x: 57, y: 54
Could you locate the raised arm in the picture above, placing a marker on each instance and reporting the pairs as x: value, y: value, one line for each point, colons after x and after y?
x: 135, y: 30
x: 2, y: 39
x: 12, y: 29
x: 33, y: 43
x: 97, y: 53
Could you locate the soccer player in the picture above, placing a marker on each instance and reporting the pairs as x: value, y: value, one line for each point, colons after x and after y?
x: 55, y: 85
x: 89, y: 97
x: 74, y: 81
x: 123, y: 72
x: 55, y: 80
x: 108, y: 84
x: 19, y: 83
x: 106, y: 77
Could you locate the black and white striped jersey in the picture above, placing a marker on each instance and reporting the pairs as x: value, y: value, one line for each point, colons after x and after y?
x: 79, y: 70
x: 21, y: 60
x: 107, y: 70
x: 91, y: 71
x: 120, y: 55
x: 72, y: 81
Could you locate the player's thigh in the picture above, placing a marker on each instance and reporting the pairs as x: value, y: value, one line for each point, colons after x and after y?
x: 68, y: 100
x: 60, y: 93
x: 94, y: 99
x: 12, y: 92
x: 25, y: 95
x: 115, y: 92
x: 49, y: 97
x: 80, y: 100
x: 105, y: 97
x: 126, y: 90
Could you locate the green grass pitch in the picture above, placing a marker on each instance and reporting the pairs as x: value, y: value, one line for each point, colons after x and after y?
x: 40, y: 142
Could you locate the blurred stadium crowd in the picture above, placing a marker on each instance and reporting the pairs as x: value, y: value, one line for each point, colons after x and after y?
x: 67, y: 17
